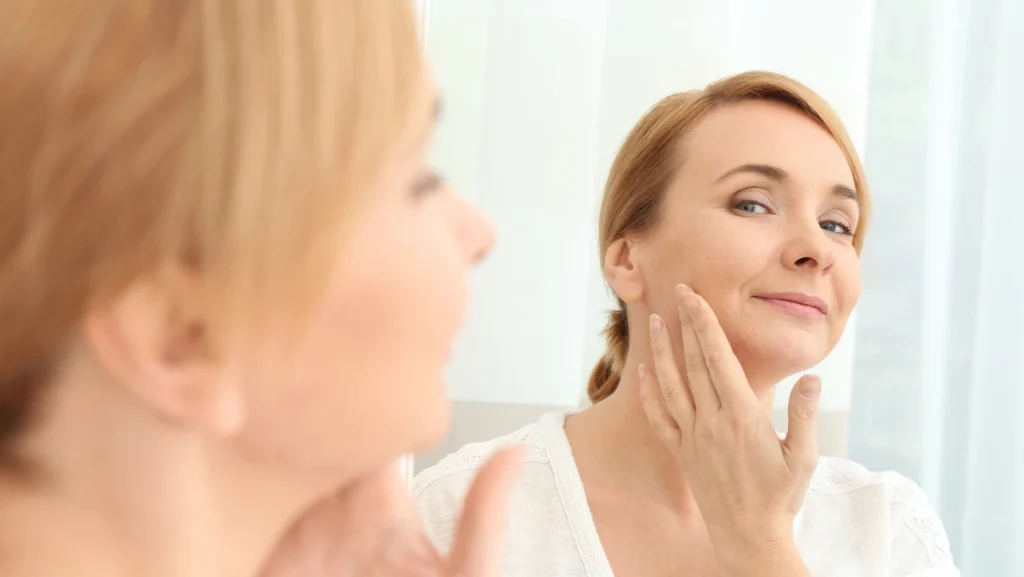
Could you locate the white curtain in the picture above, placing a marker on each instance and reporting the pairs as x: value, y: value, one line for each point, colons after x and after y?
x: 939, y: 361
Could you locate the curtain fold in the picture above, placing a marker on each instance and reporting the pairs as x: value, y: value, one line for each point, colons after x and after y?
x: 940, y: 348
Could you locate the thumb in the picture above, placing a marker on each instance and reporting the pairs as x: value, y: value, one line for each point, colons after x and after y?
x: 802, y: 436
x: 480, y: 537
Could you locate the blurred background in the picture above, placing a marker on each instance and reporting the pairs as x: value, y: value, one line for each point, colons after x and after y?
x: 927, y: 379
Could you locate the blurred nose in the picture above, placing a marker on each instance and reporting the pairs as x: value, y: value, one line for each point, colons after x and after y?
x: 474, y: 232
x: 809, y: 249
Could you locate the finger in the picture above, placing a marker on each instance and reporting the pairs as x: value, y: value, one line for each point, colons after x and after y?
x: 801, y: 443
x: 725, y: 373
x: 705, y: 398
x: 657, y: 413
x: 480, y: 537
x: 672, y: 389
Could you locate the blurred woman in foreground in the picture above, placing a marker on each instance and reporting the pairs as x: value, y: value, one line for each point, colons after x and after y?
x: 223, y: 257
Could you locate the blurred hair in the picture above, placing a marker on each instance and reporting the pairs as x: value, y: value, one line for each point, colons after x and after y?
x: 233, y: 137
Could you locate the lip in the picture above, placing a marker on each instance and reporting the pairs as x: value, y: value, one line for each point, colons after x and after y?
x: 799, y: 304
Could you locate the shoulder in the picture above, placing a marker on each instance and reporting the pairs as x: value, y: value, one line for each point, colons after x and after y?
x: 917, y: 538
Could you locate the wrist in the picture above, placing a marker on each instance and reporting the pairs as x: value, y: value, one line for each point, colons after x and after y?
x: 768, y: 550
x: 781, y: 558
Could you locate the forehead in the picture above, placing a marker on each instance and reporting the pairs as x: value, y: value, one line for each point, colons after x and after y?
x: 769, y: 133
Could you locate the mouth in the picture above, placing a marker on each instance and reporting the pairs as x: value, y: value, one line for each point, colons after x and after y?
x: 796, y: 304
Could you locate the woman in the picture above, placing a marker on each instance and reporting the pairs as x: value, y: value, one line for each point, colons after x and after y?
x: 218, y: 232
x: 749, y: 193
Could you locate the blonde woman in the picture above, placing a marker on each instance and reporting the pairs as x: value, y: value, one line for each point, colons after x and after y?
x: 228, y: 283
x: 730, y: 231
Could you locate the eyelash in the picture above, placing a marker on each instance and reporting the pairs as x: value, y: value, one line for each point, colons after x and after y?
x: 846, y: 230
x: 427, y: 184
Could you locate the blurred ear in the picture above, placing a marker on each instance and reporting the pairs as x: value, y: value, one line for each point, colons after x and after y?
x: 622, y: 272
x: 153, y: 339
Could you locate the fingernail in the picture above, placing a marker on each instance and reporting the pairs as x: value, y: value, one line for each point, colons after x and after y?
x: 641, y: 372
x: 810, y: 388
x: 682, y: 291
x: 656, y: 324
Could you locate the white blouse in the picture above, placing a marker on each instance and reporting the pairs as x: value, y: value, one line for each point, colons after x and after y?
x: 853, y: 522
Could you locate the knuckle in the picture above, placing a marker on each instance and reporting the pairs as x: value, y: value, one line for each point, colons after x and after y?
x: 670, y: 391
x: 716, y: 359
x: 707, y: 434
x: 735, y: 423
x: 805, y: 412
x: 692, y: 358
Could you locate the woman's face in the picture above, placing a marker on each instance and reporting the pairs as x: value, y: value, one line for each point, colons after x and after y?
x: 759, y: 222
x: 364, y: 382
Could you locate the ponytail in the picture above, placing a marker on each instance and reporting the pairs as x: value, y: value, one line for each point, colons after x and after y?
x: 605, y: 377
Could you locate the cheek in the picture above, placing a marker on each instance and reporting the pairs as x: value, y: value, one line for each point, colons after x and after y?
x: 712, y: 255
x: 370, y: 362
x: 847, y: 284
x: 721, y: 257
x: 394, y: 310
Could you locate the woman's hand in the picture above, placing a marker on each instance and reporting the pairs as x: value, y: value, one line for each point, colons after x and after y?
x: 372, y: 529
x: 748, y: 483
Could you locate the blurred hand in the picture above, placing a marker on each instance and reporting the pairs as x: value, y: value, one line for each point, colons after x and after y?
x: 372, y: 529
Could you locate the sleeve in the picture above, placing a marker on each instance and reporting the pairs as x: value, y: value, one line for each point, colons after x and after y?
x: 920, y: 546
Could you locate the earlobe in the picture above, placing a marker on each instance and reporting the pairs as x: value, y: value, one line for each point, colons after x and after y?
x: 622, y: 271
x: 224, y: 412
x: 152, y: 340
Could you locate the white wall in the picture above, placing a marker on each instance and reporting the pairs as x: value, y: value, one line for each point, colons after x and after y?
x: 538, y: 96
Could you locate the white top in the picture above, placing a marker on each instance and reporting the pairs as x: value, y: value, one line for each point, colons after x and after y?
x: 853, y: 522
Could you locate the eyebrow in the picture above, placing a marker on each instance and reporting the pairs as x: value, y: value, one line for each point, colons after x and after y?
x: 779, y: 175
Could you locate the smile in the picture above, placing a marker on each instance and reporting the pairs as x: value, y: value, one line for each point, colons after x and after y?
x: 796, y: 304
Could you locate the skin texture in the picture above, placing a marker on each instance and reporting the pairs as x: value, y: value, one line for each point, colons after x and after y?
x: 672, y: 504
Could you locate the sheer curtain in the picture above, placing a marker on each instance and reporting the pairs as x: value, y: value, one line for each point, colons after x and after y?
x: 939, y: 359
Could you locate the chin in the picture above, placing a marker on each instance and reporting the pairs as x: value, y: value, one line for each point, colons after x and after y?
x: 782, y: 355
x: 432, y: 419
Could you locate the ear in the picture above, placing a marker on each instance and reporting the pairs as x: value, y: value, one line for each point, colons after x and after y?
x: 621, y: 270
x: 153, y: 339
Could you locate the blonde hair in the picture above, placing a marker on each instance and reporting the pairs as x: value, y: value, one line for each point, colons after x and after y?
x: 236, y: 137
x: 649, y: 158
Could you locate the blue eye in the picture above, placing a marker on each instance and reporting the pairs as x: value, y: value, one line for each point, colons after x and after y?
x: 751, y: 207
x: 836, y: 227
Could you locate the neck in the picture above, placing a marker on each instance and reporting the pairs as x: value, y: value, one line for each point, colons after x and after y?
x: 119, y: 493
x: 616, y: 431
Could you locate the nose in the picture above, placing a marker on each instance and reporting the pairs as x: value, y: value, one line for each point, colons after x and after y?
x: 809, y: 249
x: 474, y: 232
